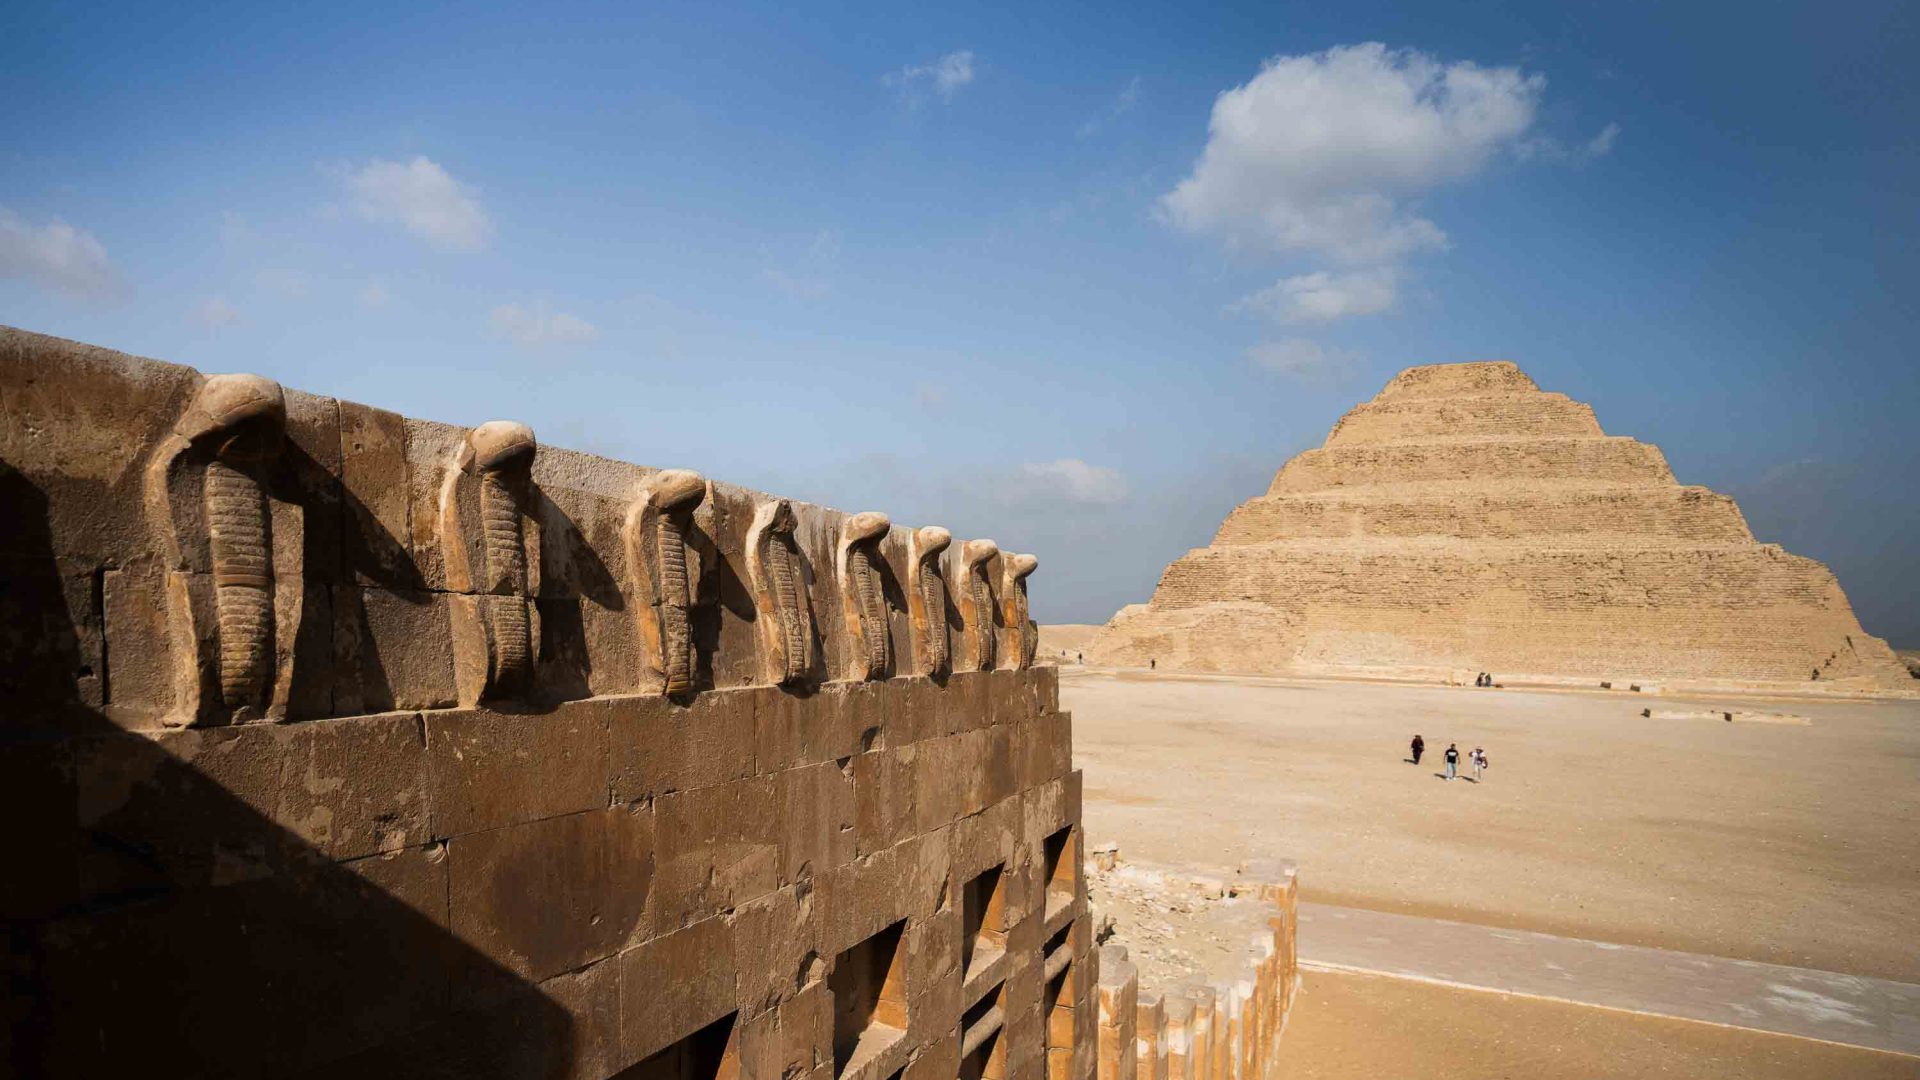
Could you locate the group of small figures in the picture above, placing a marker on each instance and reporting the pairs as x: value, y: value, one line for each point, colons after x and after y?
x: 1483, y: 679
x: 1476, y: 758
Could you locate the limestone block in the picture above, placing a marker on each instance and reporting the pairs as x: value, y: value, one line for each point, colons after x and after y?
x: 718, y: 848
x: 806, y: 727
x: 53, y: 663
x: 698, y: 962
x: 79, y: 494
x: 551, y: 895
x: 392, y: 650
x: 375, y: 498
x: 937, y: 1060
x: 491, y: 769
x: 777, y: 946
x: 657, y: 745
x: 883, y: 794
x: 815, y: 808
x: 589, y: 1001
x: 356, y: 786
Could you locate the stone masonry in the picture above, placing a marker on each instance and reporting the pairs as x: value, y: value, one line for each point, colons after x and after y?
x: 342, y: 743
x: 1465, y: 521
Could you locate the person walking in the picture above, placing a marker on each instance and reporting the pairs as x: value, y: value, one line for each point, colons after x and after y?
x: 1419, y: 747
x: 1478, y: 759
x: 1453, y: 761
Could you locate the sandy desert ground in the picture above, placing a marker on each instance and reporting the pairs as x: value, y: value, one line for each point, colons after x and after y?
x: 1363, y: 1027
x: 1793, y: 845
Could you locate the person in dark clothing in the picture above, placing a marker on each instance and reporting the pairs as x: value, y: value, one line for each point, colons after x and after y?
x: 1419, y: 747
x: 1453, y: 761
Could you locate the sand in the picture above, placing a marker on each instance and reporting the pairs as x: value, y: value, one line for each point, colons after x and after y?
x: 1362, y: 1027
x: 1788, y: 844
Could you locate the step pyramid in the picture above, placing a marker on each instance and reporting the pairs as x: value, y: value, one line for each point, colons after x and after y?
x: 1464, y: 520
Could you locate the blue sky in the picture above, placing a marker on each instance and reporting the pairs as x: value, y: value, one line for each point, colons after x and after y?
x: 1078, y: 279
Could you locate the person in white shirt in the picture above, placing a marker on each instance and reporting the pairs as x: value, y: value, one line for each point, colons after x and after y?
x: 1479, y: 761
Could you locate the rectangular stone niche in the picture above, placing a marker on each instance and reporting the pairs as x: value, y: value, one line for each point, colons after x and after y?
x: 869, y: 986
x: 1056, y: 1001
x: 983, y: 1045
x: 982, y: 922
x: 707, y: 1054
x: 1061, y: 862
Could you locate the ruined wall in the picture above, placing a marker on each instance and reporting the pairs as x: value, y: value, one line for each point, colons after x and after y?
x: 1465, y: 521
x: 339, y: 742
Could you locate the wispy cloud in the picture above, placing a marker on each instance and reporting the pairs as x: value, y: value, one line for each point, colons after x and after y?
x: 57, y: 256
x: 1323, y: 296
x: 1123, y: 103
x: 537, y: 327
x: 422, y: 198
x: 1304, y: 360
x: 944, y: 77
x: 1069, y: 480
x: 1549, y: 149
x: 214, y: 314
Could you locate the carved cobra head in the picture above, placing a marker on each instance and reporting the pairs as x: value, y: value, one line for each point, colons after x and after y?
x: 865, y: 526
x: 677, y: 489
x: 933, y: 540
x: 977, y: 552
x: 499, y: 445
x: 782, y: 519
x: 1019, y: 566
x: 249, y: 411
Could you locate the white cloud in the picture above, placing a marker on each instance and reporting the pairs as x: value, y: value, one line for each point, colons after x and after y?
x: 1317, y: 152
x: 536, y: 327
x: 944, y: 76
x: 422, y: 198
x: 1546, y: 148
x: 1305, y: 360
x: 1324, y: 297
x: 214, y: 314
x: 1123, y: 103
x: 1602, y: 144
x: 1071, y: 480
x: 56, y: 255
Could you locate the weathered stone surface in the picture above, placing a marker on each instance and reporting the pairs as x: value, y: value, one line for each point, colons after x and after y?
x: 548, y: 896
x: 1463, y: 521
x: 491, y: 769
x: 669, y: 806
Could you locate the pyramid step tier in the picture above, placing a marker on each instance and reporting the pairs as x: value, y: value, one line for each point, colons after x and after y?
x: 1608, y: 459
x: 1730, y: 611
x: 1534, y: 414
x: 1560, y: 516
x: 1459, y: 380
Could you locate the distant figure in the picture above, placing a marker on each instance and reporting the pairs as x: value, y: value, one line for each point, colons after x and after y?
x: 1453, y: 761
x: 1152, y: 664
x: 1419, y: 747
x: 1080, y: 657
x: 1478, y: 759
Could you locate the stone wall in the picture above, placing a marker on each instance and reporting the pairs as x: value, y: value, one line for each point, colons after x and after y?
x: 339, y: 742
x: 1465, y: 521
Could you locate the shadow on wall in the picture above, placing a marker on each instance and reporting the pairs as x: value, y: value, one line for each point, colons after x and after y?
x: 159, y: 924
